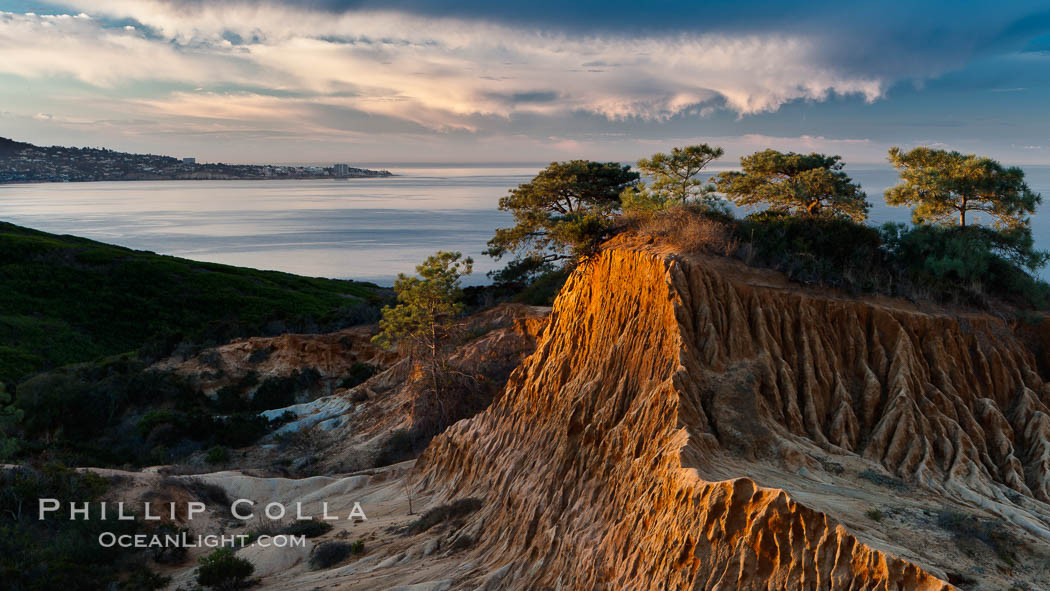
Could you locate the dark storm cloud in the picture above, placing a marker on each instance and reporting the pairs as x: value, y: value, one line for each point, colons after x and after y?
x: 877, y: 38
x: 934, y: 24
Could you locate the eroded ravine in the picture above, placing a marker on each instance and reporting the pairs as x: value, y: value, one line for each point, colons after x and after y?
x: 657, y: 371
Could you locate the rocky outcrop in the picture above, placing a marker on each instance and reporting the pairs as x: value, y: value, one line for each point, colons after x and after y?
x: 346, y: 430
x: 507, y: 334
x: 332, y: 355
x: 657, y: 373
x: 947, y: 400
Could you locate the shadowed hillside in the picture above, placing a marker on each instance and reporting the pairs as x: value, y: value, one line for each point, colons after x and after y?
x: 67, y: 300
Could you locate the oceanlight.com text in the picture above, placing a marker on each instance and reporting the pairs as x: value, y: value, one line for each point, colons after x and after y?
x: 183, y: 540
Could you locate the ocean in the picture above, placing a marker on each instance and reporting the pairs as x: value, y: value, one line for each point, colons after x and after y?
x: 365, y: 229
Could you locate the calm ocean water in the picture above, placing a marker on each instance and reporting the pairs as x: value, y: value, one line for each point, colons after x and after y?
x: 368, y: 229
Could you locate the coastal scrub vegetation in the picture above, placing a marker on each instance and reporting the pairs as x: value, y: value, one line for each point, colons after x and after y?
x: 222, y: 570
x: 81, y: 324
x: 968, y: 529
x: 59, y: 552
x: 119, y: 411
x: 328, y: 554
x: 71, y: 300
x: 451, y: 512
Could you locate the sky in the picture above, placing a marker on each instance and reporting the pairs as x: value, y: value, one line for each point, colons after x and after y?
x: 469, y: 81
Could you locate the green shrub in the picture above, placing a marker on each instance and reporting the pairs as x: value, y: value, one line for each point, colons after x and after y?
x: 217, y: 455
x: 874, y: 514
x: 643, y: 203
x: 454, y: 510
x: 70, y: 300
x: 118, y: 411
x: 358, y: 374
x: 329, y: 554
x: 280, y: 391
x: 59, y: 404
x: 56, y: 552
x: 967, y: 528
x: 544, y: 288
x: 159, y: 454
x: 154, y: 418
x: 462, y: 542
x: 228, y: 399
x: 307, y: 527
x: 884, y: 480
x: 816, y: 249
x: 143, y: 579
x: 401, y: 445
x: 232, y: 397
x: 223, y: 571
x: 275, y: 392
x: 968, y: 262
x: 239, y: 430
x: 968, y: 265
x: 169, y: 554
x: 9, y: 449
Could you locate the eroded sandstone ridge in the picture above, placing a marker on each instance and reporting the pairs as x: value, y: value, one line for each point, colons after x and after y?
x: 616, y: 456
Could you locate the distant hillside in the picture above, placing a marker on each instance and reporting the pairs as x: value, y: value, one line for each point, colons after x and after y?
x: 25, y: 163
x: 10, y: 147
x: 67, y: 300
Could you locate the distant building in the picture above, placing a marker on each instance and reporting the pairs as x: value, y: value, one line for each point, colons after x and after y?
x: 189, y: 160
x: 341, y: 169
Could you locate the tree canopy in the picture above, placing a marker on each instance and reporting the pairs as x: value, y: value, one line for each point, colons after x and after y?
x: 943, y: 187
x: 674, y: 179
x: 812, y: 184
x: 563, y: 212
x: 426, y: 327
x: 427, y: 304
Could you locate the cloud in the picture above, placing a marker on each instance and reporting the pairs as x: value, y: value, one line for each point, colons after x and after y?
x: 442, y: 73
x: 35, y: 46
x: 505, y: 80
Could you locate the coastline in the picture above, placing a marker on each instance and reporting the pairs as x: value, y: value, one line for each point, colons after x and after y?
x: 378, y: 175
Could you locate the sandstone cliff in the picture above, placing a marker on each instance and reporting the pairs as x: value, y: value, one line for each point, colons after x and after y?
x: 686, y: 422
x: 689, y: 423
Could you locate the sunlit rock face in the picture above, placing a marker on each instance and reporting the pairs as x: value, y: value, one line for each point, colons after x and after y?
x: 673, y: 427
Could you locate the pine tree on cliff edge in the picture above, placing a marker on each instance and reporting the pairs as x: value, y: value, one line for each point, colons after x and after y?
x: 562, y: 213
x: 674, y: 181
x: 967, y: 202
x: 944, y: 186
x: 812, y: 184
